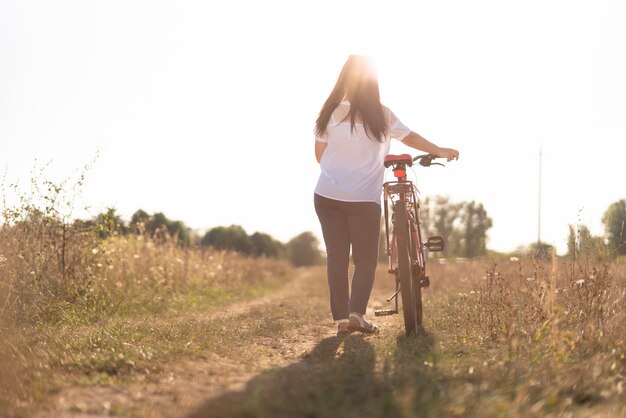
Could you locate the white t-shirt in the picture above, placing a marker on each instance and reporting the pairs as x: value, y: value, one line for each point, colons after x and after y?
x: 352, y: 163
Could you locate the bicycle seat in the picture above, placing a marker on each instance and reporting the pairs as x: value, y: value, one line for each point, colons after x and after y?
x: 405, y: 159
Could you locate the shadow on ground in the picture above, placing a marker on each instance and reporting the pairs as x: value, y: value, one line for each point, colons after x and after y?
x: 339, y: 377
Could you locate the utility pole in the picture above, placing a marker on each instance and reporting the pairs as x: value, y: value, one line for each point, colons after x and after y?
x: 539, y: 201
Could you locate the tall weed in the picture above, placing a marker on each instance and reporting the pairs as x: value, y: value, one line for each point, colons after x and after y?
x: 562, y: 322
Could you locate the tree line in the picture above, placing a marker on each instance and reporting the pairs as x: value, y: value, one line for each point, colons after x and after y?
x: 301, y: 250
x: 463, y: 225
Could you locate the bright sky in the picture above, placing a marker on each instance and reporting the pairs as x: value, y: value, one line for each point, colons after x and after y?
x: 205, y: 110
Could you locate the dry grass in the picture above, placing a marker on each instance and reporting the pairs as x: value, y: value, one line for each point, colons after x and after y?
x: 93, y: 314
x: 546, y: 337
x: 78, y: 308
x: 497, y: 345
x: 512, y: 339
x: 49, y: 278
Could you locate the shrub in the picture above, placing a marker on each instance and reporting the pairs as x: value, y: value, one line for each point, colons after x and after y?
x: 303, y: 250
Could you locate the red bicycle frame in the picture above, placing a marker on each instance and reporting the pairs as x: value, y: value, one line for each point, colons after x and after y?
x: 402, y: 193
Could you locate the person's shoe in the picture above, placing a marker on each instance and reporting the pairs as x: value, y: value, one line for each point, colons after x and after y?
x: 358, y: 323
x: 343, y: 328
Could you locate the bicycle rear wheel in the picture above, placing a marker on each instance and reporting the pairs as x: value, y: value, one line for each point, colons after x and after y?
x: 407, y: 285
x: 417, y: 274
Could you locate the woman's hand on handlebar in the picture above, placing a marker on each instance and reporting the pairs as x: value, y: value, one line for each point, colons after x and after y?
x: 418, y: 142
x: 448, y: 153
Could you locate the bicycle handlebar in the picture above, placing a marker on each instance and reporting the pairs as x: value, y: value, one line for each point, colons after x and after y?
x: 426, y: 160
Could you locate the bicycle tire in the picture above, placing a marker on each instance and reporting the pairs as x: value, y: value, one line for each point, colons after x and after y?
x: 407, y: 292
x: 416, y: 277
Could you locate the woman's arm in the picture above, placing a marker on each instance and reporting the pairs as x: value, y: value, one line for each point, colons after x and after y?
x: 319, y: 150
x: 418, y: 142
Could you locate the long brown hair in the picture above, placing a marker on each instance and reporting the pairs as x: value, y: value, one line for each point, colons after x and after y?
x: 358, y: 83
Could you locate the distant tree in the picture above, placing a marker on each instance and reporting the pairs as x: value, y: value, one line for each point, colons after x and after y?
x: 440, y: 217
x: 138, y: 221
x: 265, y: 245
x: 474, y: 225
x: 614, y: 221
x: 178, y: 230
x: 109, y: 223
x: 463, y: 225
x: 158, y: 224
x: 231, y: 238
x: 302, y: 250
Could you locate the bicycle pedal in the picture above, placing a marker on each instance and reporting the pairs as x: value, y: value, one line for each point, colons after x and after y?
x: 425, y: 282
x: 435, y: 243
x: 385, y: 312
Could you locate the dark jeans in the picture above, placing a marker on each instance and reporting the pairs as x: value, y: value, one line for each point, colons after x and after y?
x: 345, y: 225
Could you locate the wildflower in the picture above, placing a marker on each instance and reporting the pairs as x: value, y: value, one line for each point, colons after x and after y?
x: 94, y: 251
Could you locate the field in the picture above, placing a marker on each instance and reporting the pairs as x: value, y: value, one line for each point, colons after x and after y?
x: 141, y: 327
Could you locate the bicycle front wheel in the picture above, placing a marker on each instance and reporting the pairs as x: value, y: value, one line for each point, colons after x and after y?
x: 407, y: 285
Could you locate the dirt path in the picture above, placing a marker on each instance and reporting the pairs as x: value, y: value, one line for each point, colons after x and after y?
x: 278, y: 356
x: 183, y: 384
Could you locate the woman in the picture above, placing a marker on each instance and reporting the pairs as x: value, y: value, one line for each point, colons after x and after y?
x: 352, y: 138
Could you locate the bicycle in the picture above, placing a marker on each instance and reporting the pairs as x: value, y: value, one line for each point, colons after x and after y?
x: 406, y: 247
